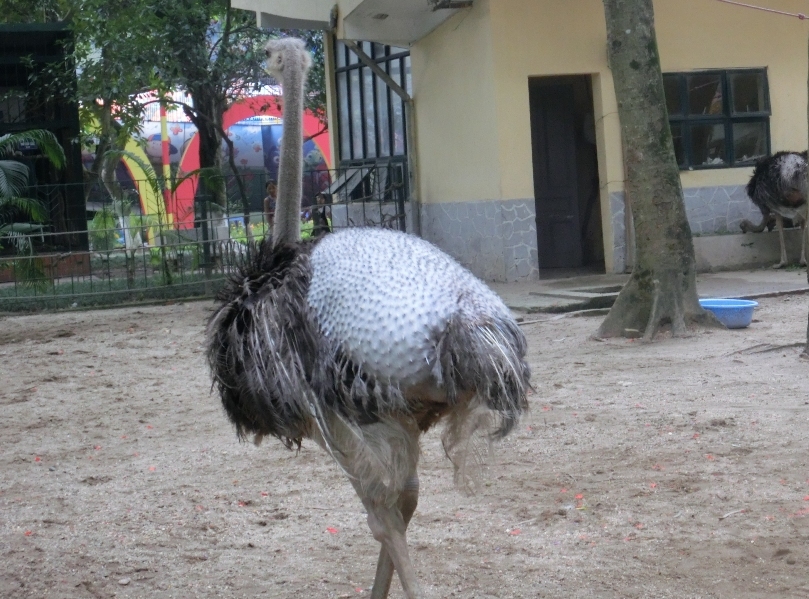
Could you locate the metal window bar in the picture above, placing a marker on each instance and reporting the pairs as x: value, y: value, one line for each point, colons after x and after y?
x: 384, y: 59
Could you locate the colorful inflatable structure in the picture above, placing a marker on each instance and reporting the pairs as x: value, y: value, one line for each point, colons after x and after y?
x: 253, y: 124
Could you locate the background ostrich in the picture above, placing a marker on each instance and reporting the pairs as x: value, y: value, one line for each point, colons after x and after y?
x: 778, y: 188
x: 361, y: 341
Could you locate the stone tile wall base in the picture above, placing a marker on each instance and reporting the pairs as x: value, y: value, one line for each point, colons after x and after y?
x: 496, y: 240
x: 711, y: 211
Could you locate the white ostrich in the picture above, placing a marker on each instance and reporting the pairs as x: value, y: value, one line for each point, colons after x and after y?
x: 361, y: 341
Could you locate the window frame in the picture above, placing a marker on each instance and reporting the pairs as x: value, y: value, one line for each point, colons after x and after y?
x: 727, y: 118
x: 384, y: 146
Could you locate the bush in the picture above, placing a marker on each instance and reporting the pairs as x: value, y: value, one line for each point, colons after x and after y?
x: 103, y: 231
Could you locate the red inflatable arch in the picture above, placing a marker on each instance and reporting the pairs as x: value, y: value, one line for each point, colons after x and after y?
x: 181, y: 206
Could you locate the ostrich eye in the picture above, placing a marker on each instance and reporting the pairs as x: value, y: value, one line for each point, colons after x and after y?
x: 267, y: 53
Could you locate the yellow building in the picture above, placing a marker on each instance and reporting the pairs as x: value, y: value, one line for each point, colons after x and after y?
x: 513, y: 135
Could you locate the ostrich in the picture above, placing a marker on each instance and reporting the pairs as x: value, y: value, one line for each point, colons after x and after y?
x: 361, y: 341
x: 778, y: 188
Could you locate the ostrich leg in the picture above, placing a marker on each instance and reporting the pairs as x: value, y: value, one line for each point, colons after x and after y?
x: 779, y: 222
x: 388, y: 527
x: 407, y: 503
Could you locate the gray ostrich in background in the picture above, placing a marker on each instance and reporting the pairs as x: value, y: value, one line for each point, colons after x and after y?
x: 361, y: 341
x: 778, y: 188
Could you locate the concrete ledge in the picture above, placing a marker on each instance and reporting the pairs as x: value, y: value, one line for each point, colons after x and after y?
x: 729, y: 252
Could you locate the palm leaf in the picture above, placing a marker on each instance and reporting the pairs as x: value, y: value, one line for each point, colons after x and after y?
x: 28, y: 206
x: 148, y: 169
x: 44, y: 140
x: 13, y: 178
x: 19, y: 240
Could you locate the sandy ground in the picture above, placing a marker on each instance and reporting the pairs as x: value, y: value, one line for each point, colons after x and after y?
x: 677, y: 469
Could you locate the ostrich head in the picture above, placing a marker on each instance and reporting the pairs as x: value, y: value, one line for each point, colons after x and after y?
x: 289, y: 61
x: 286, y: 54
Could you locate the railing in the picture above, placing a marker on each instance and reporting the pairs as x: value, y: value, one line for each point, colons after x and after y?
x: 128, y: 254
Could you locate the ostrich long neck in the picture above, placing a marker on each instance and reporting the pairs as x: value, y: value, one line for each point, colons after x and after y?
x: 287, y: 227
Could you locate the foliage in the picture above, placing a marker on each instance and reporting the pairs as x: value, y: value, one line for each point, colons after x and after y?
x: 44, y: 11
x: 307, y: 227
x: 238, y: 232
x: 209, y: 44
x: 207, y: 48
x: 14, y: 175
x: 112, y: 60
x: 103, y: 230
x: 29, y: 272
x: 213, y: 52
x: 316, y: 83
x: 157, y: 226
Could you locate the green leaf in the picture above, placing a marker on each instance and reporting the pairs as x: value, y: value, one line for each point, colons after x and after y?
x: 13, y: 178
x: 28, y: 206
x: 44, y: 140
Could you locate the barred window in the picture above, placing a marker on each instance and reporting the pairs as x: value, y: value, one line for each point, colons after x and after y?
x: 718, y: 118
x: 371, y: 118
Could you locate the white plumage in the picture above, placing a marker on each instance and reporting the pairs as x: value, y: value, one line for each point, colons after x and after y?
x: 388, y: 314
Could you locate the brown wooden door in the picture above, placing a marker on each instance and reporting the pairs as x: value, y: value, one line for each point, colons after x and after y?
x: 553, y: 140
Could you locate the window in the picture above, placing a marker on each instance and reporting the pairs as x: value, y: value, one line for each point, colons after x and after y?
x: 371, y: 119
x: 718, y: 119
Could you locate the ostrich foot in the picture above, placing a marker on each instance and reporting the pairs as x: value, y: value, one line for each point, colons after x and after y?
x: 779, y: 265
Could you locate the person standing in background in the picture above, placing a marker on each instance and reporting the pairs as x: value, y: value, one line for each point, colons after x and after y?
x: 321, y: 215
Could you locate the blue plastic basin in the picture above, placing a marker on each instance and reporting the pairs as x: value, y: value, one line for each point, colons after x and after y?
x: 733, y: 313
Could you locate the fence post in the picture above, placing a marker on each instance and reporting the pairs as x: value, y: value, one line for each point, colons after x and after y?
x: 206, y: 247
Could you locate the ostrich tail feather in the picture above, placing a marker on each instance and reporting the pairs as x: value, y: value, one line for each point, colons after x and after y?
x: 489, y: 358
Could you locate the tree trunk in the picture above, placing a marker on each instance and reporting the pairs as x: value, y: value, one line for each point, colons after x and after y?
x: 207, y: 117
x: 805, y: 353
x: 662, y: 288
x: 121, y: 204
x: 242, y: 191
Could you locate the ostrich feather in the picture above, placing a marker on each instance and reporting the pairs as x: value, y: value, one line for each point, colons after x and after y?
x: 258, y: 342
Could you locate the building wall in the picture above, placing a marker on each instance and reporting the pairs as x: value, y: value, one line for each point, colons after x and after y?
x: 464, y: 208
x: 726, y: 36
x: 456, y: 114
x: 471, y: 92
x: 470, y: 82
x: 555, y: 42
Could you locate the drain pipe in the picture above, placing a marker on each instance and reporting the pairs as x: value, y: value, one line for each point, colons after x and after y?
x: 410, y: 115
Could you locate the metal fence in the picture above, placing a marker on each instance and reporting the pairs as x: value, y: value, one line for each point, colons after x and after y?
x: 129, y: 254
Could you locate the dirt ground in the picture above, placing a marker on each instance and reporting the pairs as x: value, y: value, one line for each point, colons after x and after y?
x: 677, y: 469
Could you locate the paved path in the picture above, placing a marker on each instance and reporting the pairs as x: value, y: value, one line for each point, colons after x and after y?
x: 598, y: 291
